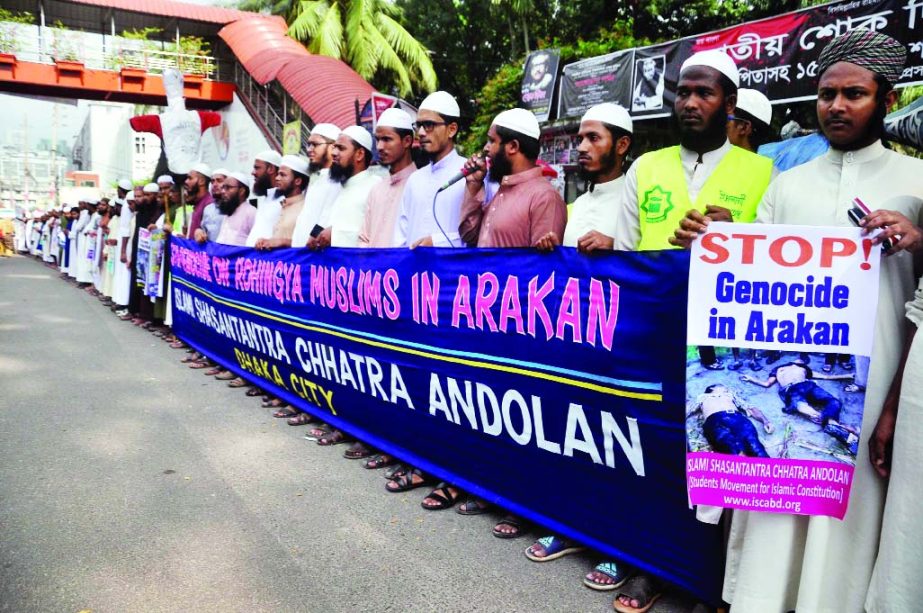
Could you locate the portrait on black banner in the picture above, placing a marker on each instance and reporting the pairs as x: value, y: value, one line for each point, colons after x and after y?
x: 647, y: 91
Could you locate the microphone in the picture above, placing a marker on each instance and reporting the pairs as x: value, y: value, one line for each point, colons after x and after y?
x: 464, y: 172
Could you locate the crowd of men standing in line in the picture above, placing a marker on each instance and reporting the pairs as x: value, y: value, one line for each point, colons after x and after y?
x: 336, y: 197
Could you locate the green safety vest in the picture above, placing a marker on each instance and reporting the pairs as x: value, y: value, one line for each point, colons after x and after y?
x: 737, y: 184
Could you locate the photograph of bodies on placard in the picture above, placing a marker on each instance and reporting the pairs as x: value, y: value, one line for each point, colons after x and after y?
x: 775, y: 404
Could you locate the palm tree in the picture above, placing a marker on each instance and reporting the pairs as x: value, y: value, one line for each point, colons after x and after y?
x: 367, y: 35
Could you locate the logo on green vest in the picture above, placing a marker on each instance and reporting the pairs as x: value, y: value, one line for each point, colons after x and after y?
x: 657, y: 204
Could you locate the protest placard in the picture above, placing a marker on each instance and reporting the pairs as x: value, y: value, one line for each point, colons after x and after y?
x: 779, y: 334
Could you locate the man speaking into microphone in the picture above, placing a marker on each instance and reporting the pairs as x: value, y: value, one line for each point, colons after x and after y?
x: 526, y: 207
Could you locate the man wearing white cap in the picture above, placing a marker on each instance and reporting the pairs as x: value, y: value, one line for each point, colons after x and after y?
x: 211, y: 216
x: 322, y: 190
x: 394, y: 143
x: 749, y: 126
x: 526, y: 207
x: 705, y: 172
x: 147, y: 210
x: 87, y: 246
x: 291, y: 182
x: 76, y: 238
x: 197, y: 193
x: 437, y: 127
x: 352, y: 156
x: 122, y: 276
x: 604, y: 138
x: 237, y: 213
x: 268, y: 198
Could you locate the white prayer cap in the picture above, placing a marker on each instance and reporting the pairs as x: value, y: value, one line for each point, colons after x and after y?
x: 202, y: 169
x: 610, y: 113
x: 755, y: 103
x: 152, y: 188
x: 130, y: 197
x: 360, y: 135
x: 296, y: 163
x: 93, y: 201
x: 327, y: 130
x: 125, y: 184
x: 164, y: 179
x: 270, y: 157
x: 719, y: 60
x: 224, y: 172
x: 441, y: 102
x: 396, y: 118
x: 242, y: 177
x: 520, y: 121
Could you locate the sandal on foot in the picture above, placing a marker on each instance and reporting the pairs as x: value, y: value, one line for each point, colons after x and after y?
x: 237, y: 382
x: 285, y: 412
x: 302, y: 419
x: 216, y: 370
x: 395, y: 471
x: 472, y: 506
x: 192, y: 357
x: 254, y: 391
x: 443, y: 497
x: 379, y: 461
x: 357, y: 451
x: 405, y: 483
x: 513, y: 522
x: 196, y: 365
x: 554, y: 546
x: 642, y: 588
x: 334, y: 438
x: 319, y: 431
x: 226, y: 375
x: 274, y: 403
x: 177, y: 344
x: 618, y: 573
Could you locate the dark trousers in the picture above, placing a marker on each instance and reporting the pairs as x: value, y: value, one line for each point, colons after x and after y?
x: 733, y: 433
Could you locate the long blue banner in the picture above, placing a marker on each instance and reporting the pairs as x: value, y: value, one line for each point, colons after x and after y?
x: 552, y: 385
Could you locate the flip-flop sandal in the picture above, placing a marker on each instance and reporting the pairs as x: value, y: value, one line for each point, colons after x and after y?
x: 254, y: 391
x: 618, y: 573
x: 190, y: 358
x: 302, y: 419
x: 237, y: 382
x: 380, y: 460
x: 509, y: 520
x: 226, y: 375
x: 405, y: 483
x: 199, y: 365
x: 642, y: 588
x: 274, y: 403
x: 217, y: 370
x: 336, y: 437
x: 555, y: 547
x: 285, y: 412
x: 443, y: 496
x: 318, y: 432
x: 358, y: 450
x: 395, y: 471
x: 177, y: 345
x: 472, y: 506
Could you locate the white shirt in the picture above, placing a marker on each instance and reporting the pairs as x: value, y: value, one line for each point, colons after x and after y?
x: 268, y: 209
x: 416, y: 219
x: 594, y: 210
x: 318, y: 201
x: 348, y: 211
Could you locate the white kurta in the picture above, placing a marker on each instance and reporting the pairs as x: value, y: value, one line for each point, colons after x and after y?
x: 87, y: 244
x: 76, y: 236
x: 348, y: 211
x: 122, y: 280
x: 268, y: 209
x: 594, y: 210
x: 776, y: 562
x: 896, y: 582
x: 318, y: 206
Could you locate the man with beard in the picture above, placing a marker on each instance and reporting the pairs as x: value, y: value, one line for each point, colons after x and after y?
x: 604, y: 140
x: 238, y: 214
x: 429, y: 215
x: 394, y: 143
x: 352, y: 156
x: 322, y: 189
x: 211, y: 216
x: 704, y: 172
x: 784, y: 562
x: 648, y: 94
x: 291, y: 181
x: 140, y: 308
x: 268, y: 199
x: 197, y: 192
x: 526, y: 207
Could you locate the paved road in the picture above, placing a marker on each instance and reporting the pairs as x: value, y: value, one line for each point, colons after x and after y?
x: 131, y: 483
